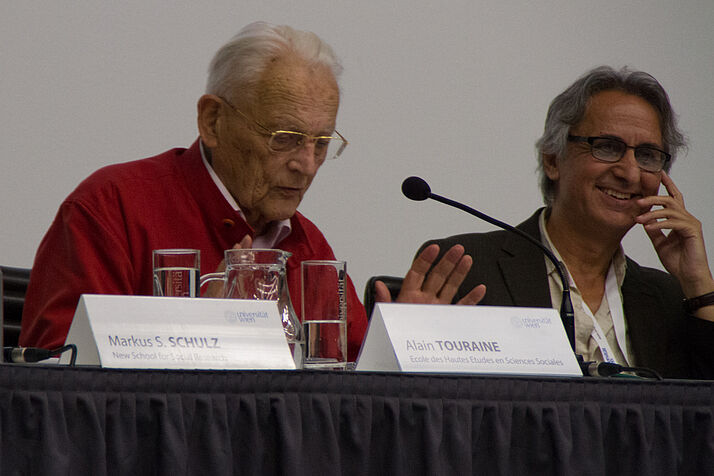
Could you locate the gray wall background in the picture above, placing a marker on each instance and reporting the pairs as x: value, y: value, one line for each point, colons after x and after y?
x: 455, y: 92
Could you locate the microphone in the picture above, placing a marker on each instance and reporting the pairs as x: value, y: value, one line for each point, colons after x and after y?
x: 27, y: 355
x: 415, y: 188
x: 603, y: 369
x: 608, y: 369
x: 20, y: 355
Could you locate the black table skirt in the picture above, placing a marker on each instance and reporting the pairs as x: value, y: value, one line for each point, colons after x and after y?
x: 59, y: 421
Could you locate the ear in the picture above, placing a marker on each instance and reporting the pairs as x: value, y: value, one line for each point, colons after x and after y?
x: 209, y: 109
x: 550, y: 166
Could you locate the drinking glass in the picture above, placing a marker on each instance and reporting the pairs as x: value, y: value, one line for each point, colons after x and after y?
x: 324, y: 314
x: 177, y: 272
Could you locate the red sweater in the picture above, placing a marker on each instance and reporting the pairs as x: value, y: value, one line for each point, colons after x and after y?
x: 103, y: 235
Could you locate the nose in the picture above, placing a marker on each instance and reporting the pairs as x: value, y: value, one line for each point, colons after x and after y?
x: 627, y: 167
x: 303, y: 159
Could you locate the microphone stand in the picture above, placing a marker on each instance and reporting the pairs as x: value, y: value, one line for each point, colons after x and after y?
x: 415, y: 188
x: 567, y: 315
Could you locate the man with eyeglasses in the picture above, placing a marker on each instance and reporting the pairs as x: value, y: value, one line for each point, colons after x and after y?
x: 266, y: 125
x: 609, y: 142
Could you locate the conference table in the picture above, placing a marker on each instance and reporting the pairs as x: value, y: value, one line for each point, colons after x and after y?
x: 75, y: 420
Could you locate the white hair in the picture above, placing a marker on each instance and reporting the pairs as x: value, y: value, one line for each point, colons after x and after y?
x: 239, y: 64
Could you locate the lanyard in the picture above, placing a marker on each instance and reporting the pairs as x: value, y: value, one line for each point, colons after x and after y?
x: 614, y: 302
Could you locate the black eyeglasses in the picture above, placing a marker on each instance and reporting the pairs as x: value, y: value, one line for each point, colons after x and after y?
x: 609, y: 149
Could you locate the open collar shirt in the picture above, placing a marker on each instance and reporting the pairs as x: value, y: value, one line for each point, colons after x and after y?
x: 276, y: 231
x: 585, y: 342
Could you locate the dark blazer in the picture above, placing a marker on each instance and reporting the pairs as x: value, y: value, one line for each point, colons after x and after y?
x: 662, y: 336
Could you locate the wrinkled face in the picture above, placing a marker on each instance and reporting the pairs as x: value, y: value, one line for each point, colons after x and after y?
x: 269, y: 185
x: 601, y: 196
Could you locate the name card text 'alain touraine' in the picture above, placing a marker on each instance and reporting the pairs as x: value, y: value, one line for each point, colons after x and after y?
x: 467, y: 339
x: 185, y: 333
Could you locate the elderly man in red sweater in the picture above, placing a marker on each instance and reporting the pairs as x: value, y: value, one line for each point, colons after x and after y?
x: 266, y: 125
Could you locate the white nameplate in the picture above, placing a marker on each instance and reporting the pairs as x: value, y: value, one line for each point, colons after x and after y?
x: 178, y: 333
x: 467, y: 339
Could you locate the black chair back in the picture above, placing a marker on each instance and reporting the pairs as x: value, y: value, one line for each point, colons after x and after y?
x: 14, y: 286
x: 394, y: 284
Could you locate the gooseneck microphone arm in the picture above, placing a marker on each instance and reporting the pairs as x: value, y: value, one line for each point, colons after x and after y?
x: 415, y: 188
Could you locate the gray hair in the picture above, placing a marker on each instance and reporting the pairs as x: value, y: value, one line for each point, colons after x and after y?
x: 568, y: 109
x: 238, y: 65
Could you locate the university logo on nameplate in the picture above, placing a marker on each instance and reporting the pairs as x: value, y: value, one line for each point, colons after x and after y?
x: 178, y: 333
x: 467, y: 339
